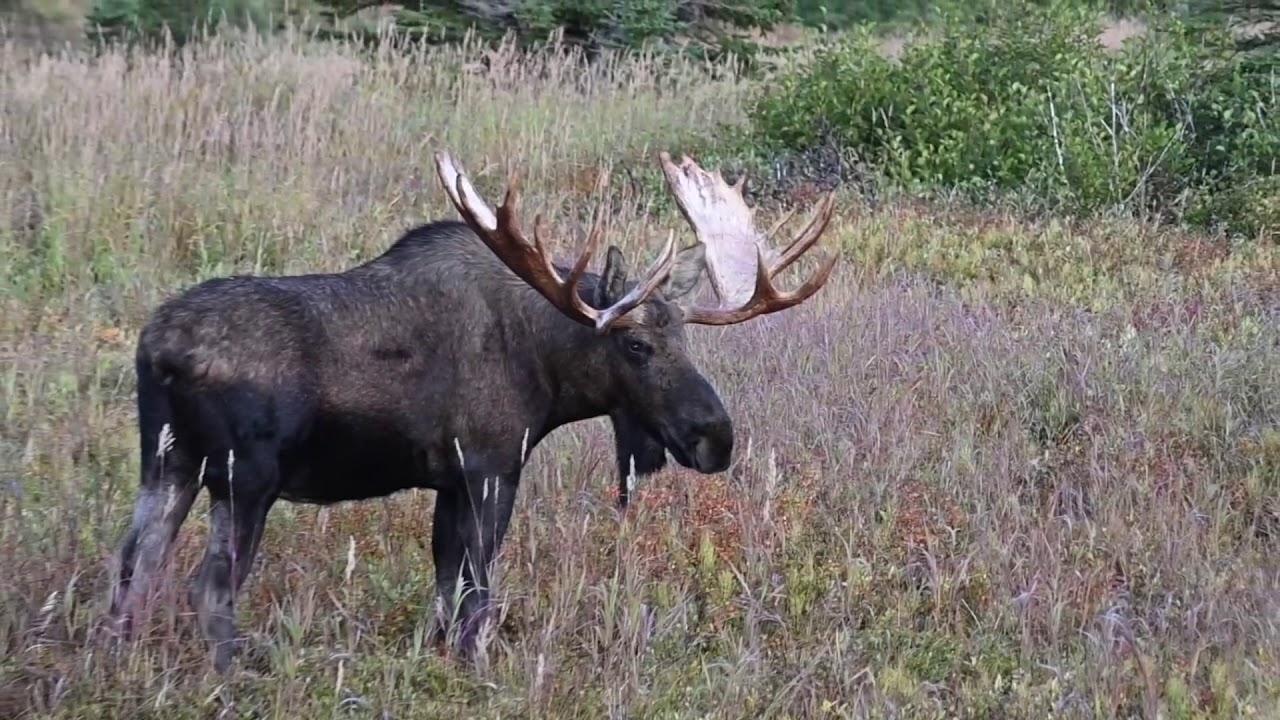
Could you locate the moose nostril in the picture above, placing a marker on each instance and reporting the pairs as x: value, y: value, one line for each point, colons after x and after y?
x: 715, y: 441
x: 712, y: 454
x: 719, y: 430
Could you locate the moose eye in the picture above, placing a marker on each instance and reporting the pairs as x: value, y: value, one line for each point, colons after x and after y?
x: 636, y: 347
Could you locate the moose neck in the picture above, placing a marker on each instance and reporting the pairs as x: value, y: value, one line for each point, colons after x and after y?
x: 575, y: 367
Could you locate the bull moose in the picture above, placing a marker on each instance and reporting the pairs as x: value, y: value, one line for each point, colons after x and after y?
x: 438, y: 364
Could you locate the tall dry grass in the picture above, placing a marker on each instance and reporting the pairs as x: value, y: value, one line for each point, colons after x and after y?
x: 946, y: 503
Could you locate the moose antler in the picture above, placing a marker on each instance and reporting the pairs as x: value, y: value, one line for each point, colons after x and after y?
x: 738, y: 256
x: 503, y: 236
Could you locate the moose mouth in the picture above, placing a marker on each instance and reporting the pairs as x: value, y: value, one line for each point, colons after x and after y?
x: 697, y: 453
x: 678, y: 452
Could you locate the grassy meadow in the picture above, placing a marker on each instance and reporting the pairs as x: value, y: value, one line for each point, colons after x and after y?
x: 998, y: 468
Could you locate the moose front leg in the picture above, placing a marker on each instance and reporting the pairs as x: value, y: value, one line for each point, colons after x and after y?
x: 469, y: 526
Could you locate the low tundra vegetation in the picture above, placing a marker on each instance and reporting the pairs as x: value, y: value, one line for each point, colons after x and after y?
x: 1003, y: 465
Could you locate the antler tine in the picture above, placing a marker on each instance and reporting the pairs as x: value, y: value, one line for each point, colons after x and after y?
x: 806, y: 238
x: 576, y: 272
x: 766, y: 298
x: 594, y: 236
x: 480, y: 216
x: 501, y: 233
x: 657, y: 273
x: 596, y: 233
x: 738, y: 259
x: 509, y: 211
x: 531, y: 262
x: 547, y: 265
x: 778, y: 225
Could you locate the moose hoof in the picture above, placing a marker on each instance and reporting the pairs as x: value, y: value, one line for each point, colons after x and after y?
x: 113, y: 634
x: 225, y: 653
x: 120, y: 624
x: 463, y: 638
x: 475, y: 633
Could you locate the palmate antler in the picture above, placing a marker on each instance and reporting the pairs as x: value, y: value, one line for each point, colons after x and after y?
x: 740, y: 264
x: 739, y: 261
x: 503, y: 236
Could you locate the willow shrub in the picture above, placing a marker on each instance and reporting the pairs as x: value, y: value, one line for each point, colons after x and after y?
x: 1176, y: 123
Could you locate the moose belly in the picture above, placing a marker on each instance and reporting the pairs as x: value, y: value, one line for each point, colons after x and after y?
x: 342, y: 462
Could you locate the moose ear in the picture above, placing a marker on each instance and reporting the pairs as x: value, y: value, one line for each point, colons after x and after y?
x: 687, y: 271
x: 613, y: 283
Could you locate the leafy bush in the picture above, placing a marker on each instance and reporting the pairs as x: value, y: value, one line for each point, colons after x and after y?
x: 847, y: 13
x: 844, y: 13
x: 1176, y: 123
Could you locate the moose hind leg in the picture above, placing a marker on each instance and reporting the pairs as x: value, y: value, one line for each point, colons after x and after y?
x: 169, y: 488
x: 467, y: 533
x: 237, y: 515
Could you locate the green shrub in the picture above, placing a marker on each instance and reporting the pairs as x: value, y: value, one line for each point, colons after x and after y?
x: 844, y: 13
x: 1026, y: 100
x: 847, y: 13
